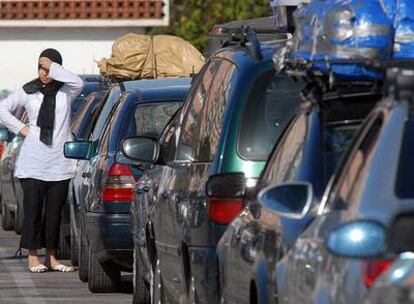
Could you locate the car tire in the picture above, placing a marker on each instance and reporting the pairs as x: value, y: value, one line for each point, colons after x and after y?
x: 74, y: 249
x: 7, y: 218
x: 83, y: 258
x: 102, y: 277
x: 141, y: 289
x: 19, y: 218
x: 64, y: 246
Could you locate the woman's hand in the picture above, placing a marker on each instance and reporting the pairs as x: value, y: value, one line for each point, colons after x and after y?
x: 24, y: 131
x: 45, y: 63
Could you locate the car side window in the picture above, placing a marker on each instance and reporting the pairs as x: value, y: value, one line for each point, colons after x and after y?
x: 169, y: 138
x: 288, y: 154
x: 211, y: 123
x: 347, y: 186
x: 193, y: 110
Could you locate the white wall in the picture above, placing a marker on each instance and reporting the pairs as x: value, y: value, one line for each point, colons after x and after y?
x: 20, y: 49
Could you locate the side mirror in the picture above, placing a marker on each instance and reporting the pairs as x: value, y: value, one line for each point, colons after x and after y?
x: 78, y: 149
x: 291, y: 200
x: 141, y: 148
x: 226, y: 185
x: 4, y: 134
x: 358, y: 239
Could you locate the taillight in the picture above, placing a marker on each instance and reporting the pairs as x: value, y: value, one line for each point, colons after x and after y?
x: 1, y: 149
x: 119, y: 184
x: 224, y: 210
x: 372, y: 269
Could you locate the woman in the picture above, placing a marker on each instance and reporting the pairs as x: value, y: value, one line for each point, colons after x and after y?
x: 41, y: 166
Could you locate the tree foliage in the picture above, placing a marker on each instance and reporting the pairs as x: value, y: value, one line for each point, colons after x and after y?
x: 193, y: 19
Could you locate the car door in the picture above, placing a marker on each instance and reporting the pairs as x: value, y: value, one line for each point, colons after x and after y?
x: 180, y: 216
x: 319, y: 276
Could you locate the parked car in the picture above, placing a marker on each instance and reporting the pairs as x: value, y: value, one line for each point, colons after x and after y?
x: 11, y: 190
x: 229, y: 123
x: 92, y: 133
x: 396, y: 284
x: 307, y: 153
x: 341, y: 253
x: 107, y: 182
x: 88, y: 87
x: 81, y: 126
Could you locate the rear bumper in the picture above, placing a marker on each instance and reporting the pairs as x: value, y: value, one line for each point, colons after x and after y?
x: 110, y: 237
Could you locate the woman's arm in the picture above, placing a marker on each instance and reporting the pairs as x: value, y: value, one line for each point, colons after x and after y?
x: 8, y: 106
x: 73, y: 82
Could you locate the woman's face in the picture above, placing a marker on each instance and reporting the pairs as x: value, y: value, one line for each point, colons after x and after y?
x: 44, y: 76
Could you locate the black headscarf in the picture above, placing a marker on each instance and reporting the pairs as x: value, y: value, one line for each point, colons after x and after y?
x: 46, y: 116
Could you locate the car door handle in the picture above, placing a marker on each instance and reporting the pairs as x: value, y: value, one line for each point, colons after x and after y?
x: 86, y: 174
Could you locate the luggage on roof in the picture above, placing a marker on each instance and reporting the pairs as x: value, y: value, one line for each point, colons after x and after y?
x: 344, y: 29
x: 404, y: 29
x: 143, y: 56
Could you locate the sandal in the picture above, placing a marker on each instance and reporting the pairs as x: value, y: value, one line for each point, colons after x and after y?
x: 62, y: 268
x: 38, y: 269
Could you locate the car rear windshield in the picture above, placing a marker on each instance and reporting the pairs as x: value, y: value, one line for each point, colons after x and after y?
x: 405, y: 176
x: 149, y: 119
x: 270, y: 107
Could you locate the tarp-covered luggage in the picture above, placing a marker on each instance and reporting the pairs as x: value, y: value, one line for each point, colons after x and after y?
x: 404, y: 29
x: 144, y: 56
x: 306, y: 17
x: 357, y: 29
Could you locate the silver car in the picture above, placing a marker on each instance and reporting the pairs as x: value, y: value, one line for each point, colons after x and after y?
x: 339, y: 256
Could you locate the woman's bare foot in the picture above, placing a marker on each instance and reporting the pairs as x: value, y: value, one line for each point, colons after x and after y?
x: 53, y: 264
x: 50, y: 259
x: 33, y: 259
x: 34, y: 264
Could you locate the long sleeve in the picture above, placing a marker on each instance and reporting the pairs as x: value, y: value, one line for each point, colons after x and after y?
x: 8, y: 106
x: 74, y: 83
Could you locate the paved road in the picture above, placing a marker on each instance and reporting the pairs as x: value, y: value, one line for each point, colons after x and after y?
x: 17, y: 285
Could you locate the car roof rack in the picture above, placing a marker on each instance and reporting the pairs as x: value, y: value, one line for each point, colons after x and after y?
x: 244, y: 36
x: 320, y: 84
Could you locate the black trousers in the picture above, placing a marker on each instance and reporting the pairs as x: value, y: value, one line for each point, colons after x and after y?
x: 42, y: 230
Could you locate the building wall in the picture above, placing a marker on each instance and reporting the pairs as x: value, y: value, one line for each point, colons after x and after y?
x: 80, y: 48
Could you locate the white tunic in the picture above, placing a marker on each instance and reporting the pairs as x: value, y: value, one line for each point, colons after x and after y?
x: 37, y: 160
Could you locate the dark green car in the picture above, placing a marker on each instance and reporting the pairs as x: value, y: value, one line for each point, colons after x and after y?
x: 207, y: 157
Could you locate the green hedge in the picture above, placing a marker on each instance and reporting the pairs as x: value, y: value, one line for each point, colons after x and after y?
x: 193, y: 19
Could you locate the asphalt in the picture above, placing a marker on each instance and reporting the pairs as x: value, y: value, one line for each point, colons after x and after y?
x: 19, y: 286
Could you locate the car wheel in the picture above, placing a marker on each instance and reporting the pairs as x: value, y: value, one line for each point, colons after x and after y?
x: 74, y: 249
x: 102, y: 277
x: 141, y: 288
x: 64, y: 247
x: 157, y: 289
x: 19, y: 218
x: 7, y: 218
x: 83, y: 258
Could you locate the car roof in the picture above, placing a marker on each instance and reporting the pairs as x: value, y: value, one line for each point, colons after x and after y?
x: 156, y: 83
x: 146, y: 95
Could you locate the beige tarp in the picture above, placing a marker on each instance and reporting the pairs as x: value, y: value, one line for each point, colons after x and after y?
x: 143, y: 56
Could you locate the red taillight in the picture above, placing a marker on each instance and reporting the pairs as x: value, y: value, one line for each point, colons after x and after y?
x: 372, y: 269
x: 119, y: 184
x: 1, y: 149
x: 223, y: 211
